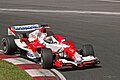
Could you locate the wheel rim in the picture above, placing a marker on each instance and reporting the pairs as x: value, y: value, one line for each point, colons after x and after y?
x: 4, y: 45
x: 41, y: 60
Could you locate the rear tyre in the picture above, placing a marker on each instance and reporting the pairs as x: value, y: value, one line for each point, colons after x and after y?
x: 8, y: 44
x: 88, y: 50
x: 46, y: 58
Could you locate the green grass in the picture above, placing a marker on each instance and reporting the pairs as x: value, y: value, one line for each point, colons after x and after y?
x: 9, y: 71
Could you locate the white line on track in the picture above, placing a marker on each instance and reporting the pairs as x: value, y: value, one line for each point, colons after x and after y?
x: 61, y: 11
x: 111, y: 1
x: 39, y: 72
x: 18, y: 61
x: 58, y: 74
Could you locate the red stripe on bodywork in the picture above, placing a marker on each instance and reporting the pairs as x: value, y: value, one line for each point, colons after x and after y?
x: 29, y: 66
x: 13, y: 30
x: 45, y: 78
x: 87, y: 63
x: 3, y: 56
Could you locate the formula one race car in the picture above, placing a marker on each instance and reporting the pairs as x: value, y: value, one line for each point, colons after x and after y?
x: 48, y: 49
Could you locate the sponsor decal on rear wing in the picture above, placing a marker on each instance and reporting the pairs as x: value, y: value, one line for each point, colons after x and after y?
x: 29, y: 27
x: 26, y: 27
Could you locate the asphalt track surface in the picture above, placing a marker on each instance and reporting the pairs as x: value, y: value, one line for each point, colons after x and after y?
x: 103, y: 31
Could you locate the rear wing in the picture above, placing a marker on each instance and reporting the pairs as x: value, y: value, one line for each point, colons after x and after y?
x: 26, y: 28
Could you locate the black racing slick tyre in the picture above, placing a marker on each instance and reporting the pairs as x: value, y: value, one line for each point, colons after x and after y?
x: 50, y: 33
x: 46, y: 58
x: 88, y: 50
x: 8, y: 44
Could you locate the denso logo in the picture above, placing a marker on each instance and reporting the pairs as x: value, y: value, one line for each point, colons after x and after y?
x: 26, y: 27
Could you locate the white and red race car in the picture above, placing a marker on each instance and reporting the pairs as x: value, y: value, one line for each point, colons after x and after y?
x: 49, y: 49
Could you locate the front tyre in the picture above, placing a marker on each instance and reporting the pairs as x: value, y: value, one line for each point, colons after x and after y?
x: 8, y: 44
x: 88, y: 50
x: 46, y: 58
